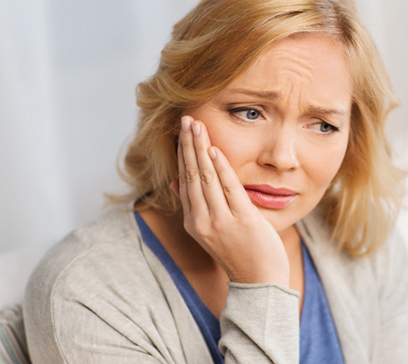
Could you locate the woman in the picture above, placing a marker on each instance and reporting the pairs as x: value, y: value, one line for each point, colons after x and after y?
x: 259, y: 225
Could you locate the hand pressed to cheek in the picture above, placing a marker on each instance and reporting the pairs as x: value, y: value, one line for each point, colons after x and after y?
x: 219, y: 215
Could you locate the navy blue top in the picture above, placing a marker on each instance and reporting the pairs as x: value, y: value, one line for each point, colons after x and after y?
x: 208, y: 324
x: 319, y: 343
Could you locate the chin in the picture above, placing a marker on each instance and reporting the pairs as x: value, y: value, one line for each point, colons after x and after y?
x: 279, y: 219
x: 283, y: 219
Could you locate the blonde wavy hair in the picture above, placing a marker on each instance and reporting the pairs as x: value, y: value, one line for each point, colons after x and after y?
x: 214, y: 44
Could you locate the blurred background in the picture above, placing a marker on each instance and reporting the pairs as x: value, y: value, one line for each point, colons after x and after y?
x: 68, y: 70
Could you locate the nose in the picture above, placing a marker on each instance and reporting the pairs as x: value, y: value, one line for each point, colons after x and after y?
x: 279, y: 150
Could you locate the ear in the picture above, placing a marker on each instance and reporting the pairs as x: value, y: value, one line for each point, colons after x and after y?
x: 175, y: 187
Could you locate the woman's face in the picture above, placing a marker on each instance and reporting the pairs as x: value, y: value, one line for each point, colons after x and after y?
x: 284, y: 125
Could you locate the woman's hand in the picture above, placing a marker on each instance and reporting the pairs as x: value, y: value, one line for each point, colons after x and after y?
x: 220, y: 216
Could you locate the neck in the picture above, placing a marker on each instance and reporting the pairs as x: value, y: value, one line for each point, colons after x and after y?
x: 169, y: 229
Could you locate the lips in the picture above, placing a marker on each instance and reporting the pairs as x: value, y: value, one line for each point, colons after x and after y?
x: 270, y: 197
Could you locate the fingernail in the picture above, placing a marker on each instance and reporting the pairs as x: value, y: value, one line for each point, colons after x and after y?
x: 185, y: 123
x: 211, y: 152
x: 196, y: 129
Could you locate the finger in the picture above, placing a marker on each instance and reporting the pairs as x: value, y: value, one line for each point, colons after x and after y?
x: 211, y: 185
x: 198, y: 204
x: 185, y: 201
x: 238, y: 200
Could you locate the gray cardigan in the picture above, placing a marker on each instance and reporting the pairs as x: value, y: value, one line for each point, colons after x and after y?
x: 101, y: 296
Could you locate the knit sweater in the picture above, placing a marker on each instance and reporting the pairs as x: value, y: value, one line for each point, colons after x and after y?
x: 101, y: 296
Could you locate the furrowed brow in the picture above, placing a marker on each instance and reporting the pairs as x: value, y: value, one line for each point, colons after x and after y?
x: 270, y: 95
x: 273, y: 95
x: 323, y: 111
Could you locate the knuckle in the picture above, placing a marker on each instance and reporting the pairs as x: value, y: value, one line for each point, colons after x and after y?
x: 198, y: 228
x: 194, y: 228
x: 187, y: 226
x: 201, y: 230
x: 228, y: 190
x: 191, y: 173
x: 207, y: 177
x: 182, y: 178
x: 217, y: 224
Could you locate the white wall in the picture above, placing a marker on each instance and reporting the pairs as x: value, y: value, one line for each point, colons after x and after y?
x: 68, y: 69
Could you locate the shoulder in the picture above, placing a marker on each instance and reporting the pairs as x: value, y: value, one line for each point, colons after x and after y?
x: 391, y: 256
x: 390, y: 266
x: 100, y: 278
x: 372, y: 282
x: 91, y: 260
x: 105, y: 255
x: 368, y: 296
x: 95, y: 250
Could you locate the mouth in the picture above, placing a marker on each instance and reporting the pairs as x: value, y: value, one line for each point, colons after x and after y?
x: 270, y: 197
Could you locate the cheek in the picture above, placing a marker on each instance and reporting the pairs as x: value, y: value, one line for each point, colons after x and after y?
x: 239, y: 146
x: 237, y: 143
x: 221, y: 134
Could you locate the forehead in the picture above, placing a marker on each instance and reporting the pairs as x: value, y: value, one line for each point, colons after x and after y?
x: 313, y: 61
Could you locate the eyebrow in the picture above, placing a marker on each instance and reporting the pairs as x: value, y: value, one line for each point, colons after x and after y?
x: 273, y: 95
x: 270, y: 95
x: 323, y: 111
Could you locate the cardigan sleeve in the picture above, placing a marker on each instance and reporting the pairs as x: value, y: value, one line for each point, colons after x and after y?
x: 260, y: 324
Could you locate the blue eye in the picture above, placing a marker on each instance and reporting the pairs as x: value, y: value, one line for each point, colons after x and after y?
x: 325, y: 127
x: 246, y: 113
x: 252, y: 114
